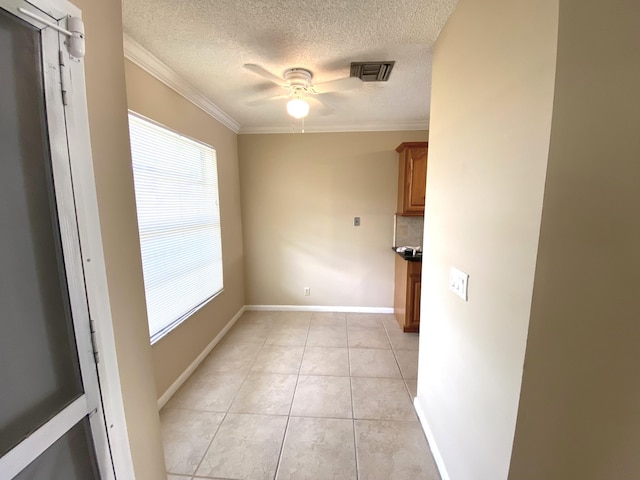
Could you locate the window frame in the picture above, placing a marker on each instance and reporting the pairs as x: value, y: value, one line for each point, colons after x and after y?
x: 167, y: 328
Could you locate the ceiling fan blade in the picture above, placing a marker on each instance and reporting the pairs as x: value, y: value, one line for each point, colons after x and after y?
x: 339, y: 85
x: 265, y: 100
x: 266, y: 74
x: 327, y: 107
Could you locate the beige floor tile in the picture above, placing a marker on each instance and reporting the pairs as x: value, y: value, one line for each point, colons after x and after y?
x: 408, y: 361
x: 318, y: 449
x: 291, y: 317
x: 272, y: 345
x: 368, y: 338
x: 364, y: 320
x: 246, y: 447
x: 266, y: 393
x: 186, y: 434
x: 327, y: 315
x: 287, y: 335
x: 248, y: 333
x: 325, y: 361
x: 391, y: 323
x: 369, y: 362
x: 211, y: 392
x: 403, y: 341
x: 322, y: 397
x: 230, y: 358
x: 393, y: 451
x: 278, y: 359
x: 327, y: 336
x: 328, y: 319
x: 381, y: 399
x: 412, y: 386
x: 257, y: 318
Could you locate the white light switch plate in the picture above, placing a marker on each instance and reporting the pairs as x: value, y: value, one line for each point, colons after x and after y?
x: 459, y: 283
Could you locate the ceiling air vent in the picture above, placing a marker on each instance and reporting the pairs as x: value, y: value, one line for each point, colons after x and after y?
x: 371, y: 71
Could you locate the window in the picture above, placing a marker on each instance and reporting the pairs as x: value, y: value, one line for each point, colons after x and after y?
x: 176, y: 185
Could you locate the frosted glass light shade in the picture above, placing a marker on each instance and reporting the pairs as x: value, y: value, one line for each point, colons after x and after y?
x: 297, y: 108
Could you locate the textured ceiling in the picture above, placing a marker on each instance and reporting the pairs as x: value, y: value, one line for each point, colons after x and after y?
x: 207, y: 42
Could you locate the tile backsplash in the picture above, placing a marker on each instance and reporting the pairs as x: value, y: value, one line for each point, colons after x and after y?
x: 409, y: 231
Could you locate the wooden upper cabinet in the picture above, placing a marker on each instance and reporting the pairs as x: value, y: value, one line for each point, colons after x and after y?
x: 412, y: 178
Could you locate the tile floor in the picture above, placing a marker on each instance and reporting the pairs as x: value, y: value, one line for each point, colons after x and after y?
x: 301, y: 395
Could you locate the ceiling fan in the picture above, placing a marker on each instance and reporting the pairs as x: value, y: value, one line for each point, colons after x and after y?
x: 299, y: 86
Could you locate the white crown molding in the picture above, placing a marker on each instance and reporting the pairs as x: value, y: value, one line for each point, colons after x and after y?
x: 151, y: 64
x: 335, y: 128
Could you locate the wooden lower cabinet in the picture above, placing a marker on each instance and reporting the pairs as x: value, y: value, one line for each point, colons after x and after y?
x: 406, y: 306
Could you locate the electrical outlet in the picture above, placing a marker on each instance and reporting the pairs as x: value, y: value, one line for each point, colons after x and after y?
x: 356, y: 221
x: 307, y: 291
x: 459, y: 283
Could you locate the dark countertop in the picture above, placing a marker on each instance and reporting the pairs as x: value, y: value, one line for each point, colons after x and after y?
x: 408, y: 258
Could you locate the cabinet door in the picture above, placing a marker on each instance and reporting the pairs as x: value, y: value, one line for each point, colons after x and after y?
x: 417, y: 176
x: 400, y: 294
x: 412, y: 320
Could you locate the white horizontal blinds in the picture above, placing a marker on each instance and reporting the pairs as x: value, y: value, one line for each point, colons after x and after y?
x: 176, y: 184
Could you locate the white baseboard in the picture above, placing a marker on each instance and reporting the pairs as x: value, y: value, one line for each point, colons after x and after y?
x: 164, y: 398
x: 319, y: 308
x: 431, y: 439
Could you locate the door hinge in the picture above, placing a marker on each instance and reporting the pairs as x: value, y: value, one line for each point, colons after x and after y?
x: 65, y: 78
x: 94, y: 341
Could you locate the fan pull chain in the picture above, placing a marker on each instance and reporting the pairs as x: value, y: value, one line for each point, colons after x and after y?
x: 293, y: 127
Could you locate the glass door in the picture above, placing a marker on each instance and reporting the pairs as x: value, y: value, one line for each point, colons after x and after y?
x: 51, y: 421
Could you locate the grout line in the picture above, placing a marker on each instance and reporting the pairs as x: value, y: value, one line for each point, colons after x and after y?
x: 371, y: 378
x: 256, y: 414
x: 210, y: 443
x: 305, y: 346
x: 286, y: 428
x: 397, y: 362
x: 355, y: 448
x: 229, y: 407
x: 284, y: 439
x: 323, y: 417
x: 298, y: 416
x: 353, y: 415
x: 197, y: 477
x: 324, y: 375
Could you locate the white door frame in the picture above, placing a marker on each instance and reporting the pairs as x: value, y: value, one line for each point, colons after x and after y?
x: 80, y: 194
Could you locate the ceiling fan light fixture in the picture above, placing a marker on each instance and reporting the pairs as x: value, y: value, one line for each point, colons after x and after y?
x: 297, y: 108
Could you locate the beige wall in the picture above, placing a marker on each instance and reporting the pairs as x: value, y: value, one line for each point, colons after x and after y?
x: 107, y: 104
x: 580, y: 406
x: 493, y: 79
x: 151, y: 98
x: 300, y: 193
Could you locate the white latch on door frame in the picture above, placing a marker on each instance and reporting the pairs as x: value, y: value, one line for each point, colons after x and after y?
x: 74, y: 30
